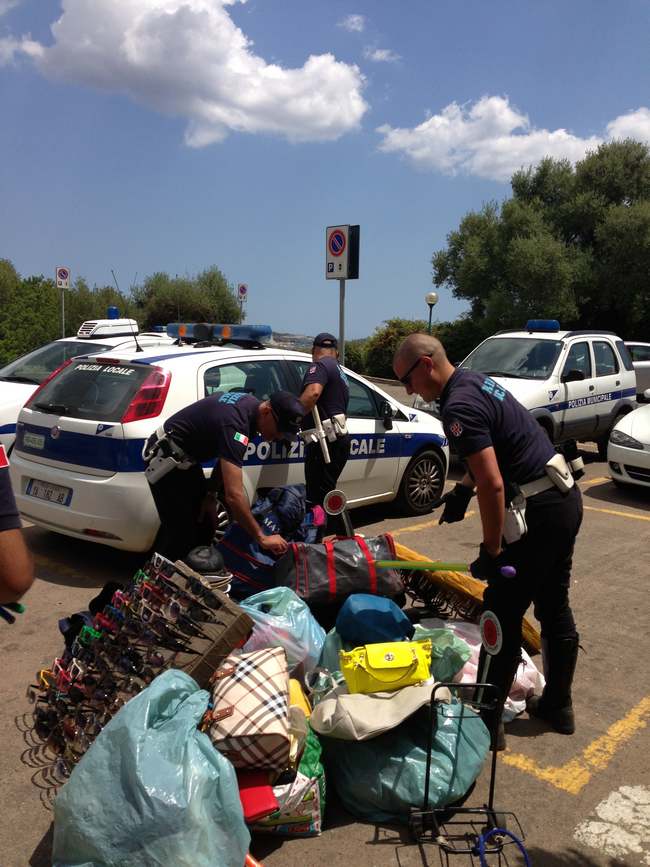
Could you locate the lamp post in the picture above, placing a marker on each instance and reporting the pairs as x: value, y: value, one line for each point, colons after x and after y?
x: 432, y: 299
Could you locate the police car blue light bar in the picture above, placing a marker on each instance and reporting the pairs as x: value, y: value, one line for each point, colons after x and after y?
x: 216, y: 331
x: 542, y: 325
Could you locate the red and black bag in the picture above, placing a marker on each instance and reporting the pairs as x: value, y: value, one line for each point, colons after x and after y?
x: 327, y: 573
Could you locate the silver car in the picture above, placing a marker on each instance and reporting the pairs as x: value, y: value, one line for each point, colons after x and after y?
x: 640, y: 353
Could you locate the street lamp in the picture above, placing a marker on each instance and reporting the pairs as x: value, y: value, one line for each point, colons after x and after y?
x: 432, y: 299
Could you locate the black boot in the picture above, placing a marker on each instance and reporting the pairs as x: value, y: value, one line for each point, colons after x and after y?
x: 554, y: 705
x: 501, y: 673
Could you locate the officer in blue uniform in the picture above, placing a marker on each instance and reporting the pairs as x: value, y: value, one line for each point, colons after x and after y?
x: 217, y: 427
x: 508, y: 456
x: 325, y: 387
x: 16, y: 568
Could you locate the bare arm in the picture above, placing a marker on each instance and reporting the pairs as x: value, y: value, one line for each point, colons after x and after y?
x: 491, y: 500
x: 239, y: 508
x: 16, y: 567
x: 309, y: 397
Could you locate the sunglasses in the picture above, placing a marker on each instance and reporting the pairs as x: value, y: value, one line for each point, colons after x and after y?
x: 406, y: 379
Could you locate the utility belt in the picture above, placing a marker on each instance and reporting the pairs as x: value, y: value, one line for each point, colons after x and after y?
x: 334, y: 428
x: 558, y: 474
x: 162, y: 454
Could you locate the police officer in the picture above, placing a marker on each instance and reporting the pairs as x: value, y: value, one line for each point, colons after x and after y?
x: 16, y: 568
x: 217, y: 427
x: 508, y: 454
x: 325, y: 387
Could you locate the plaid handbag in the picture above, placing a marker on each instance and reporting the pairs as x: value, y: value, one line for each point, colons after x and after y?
x: 249, y: 721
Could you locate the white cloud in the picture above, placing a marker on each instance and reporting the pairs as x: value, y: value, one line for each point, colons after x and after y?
x: 353, y: 23
x: 6, y: 5
x: 188, y: 58
x: 381, y: 55
x: 492, y: 139
x: 10, y: 47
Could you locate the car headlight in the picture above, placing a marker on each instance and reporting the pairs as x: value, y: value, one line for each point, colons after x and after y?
x: 622, y: 439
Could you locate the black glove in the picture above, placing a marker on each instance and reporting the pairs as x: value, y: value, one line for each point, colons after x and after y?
x: 488, y: 568
x: 455, y: 502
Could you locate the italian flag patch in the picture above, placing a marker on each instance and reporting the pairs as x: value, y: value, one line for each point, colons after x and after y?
x: 240, y: 438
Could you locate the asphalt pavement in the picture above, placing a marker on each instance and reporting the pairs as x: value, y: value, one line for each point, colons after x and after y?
x: 582, y: 801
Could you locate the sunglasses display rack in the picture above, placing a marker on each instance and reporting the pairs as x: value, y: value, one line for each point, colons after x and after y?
x: 168, y: 617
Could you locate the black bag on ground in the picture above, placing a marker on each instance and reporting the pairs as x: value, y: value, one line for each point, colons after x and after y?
x: 328, y: 572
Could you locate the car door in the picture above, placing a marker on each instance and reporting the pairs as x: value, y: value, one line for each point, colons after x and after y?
x: 607, y: 369
x: 579, y: 418
x: 371, y: 471
x: 641, y: 360
x: 266, y: 465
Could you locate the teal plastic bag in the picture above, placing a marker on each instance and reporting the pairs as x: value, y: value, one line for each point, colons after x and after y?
x: 448, y: 652
x: 152, y: 790
x: 378, y: 780
x: 282, y: 619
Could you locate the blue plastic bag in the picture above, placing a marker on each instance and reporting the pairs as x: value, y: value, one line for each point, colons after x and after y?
x: 152, y: 790
x: 282, y: 619
x: 378, y: 780
x: 368, y: 619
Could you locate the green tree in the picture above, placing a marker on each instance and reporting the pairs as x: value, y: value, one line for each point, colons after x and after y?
x: 205, y: 298
x: 381, y: 346
x: 571, y: 243
x: 355, y: 354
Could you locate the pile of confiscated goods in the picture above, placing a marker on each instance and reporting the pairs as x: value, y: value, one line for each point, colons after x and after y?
x: 182, y: 722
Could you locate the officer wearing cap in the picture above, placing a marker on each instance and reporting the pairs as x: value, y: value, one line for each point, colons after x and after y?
x: 325, y: 387
x: 219, y: 427
x: 531, y: 511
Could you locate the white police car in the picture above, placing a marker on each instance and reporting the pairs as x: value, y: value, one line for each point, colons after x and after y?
x: 628, y: 452
x: 20, y: 378
x: 77, y: 466
x: 577, y: 384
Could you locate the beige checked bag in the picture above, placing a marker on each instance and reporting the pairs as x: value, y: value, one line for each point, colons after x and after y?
x: 249, y: 721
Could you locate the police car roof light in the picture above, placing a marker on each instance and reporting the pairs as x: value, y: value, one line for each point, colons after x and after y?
x: 108, y: 328
x: 112, y: 313
x: 206, y: 331
x: 542, y: 325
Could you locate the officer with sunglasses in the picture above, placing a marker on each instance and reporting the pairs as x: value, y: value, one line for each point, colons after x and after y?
x: 531, y: 511
x: 218, y: 427
x: 16, y: 568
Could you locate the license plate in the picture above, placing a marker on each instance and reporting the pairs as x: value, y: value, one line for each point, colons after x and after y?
x: 34, y: 441
x: 51, y: 493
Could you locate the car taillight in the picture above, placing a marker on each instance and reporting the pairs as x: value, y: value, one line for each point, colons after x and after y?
x: 150, y: 397
x: 54, y: 373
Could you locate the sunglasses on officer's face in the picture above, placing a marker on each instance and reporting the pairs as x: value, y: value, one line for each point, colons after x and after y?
x: 406, y: 379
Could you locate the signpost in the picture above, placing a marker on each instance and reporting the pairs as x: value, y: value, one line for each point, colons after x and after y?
x: 492, y: 641
x: 342, y: 263
x: 242, y: 295
x: 62, y: 276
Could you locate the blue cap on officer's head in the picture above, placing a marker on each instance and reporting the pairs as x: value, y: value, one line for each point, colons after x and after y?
x: 327, y: 341
x: 287, y: 412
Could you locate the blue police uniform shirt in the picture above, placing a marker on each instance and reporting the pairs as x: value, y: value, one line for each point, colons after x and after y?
x: 478, y: 413
x: 218, y: 426
x: 9, y: 518
x: 335, y: 394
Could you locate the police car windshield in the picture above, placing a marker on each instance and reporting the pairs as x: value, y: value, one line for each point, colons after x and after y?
x: 38, y: 365
x: 89, y: 390
x: 515, y: 357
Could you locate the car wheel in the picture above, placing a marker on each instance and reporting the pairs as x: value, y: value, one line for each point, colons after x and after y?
x: 422, y: 483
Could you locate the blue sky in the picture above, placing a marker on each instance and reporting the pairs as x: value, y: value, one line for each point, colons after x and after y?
x: 145, y: 135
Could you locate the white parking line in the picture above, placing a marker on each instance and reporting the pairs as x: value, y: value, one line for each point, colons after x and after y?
x: 621, y: 826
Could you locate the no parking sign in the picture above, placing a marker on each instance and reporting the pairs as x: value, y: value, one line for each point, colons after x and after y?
x: 62, y: 277
x: 342, y: 252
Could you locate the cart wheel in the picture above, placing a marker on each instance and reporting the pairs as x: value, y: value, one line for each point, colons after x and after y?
x: 500, y: 821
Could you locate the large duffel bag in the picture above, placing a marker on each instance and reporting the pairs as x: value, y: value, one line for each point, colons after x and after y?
x: 327, y: 573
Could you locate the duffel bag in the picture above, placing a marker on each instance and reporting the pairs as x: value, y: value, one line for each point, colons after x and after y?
x: 328, y: 572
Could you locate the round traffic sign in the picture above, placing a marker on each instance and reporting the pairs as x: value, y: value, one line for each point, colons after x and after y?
x: 335, y: 502
x: 62, y: 273
x: 491, y: 633
x: 242, y: 290
x: 336, y: 242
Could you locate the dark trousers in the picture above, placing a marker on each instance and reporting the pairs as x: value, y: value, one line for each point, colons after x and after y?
x: 178, y: 497
x: 543, y: 560
x: 321, y: 478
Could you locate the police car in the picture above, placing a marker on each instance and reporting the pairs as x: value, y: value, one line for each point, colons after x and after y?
x: 577, y: 384
x: 640, y: 353
x: 20, y: 378
x: 628, y: 452
x: 77, y: 464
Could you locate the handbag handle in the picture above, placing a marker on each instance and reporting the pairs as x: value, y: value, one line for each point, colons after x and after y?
x: 412, y: 665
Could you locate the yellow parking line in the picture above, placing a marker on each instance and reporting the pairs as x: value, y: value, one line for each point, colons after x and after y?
x: 573, y: 776
x: 589, y: 482
x: 620, y: 514
x: 424, y: 526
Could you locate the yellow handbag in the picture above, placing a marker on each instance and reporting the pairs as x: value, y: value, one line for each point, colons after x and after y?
x: 387, y: 666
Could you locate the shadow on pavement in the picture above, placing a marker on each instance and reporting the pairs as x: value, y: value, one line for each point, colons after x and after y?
x: 571, y: 858
x: 608, y: 492
x: 42, y: 854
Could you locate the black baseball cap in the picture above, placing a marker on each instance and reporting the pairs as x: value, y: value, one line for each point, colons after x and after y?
x: 327, y: 341
x: 287, y: 412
